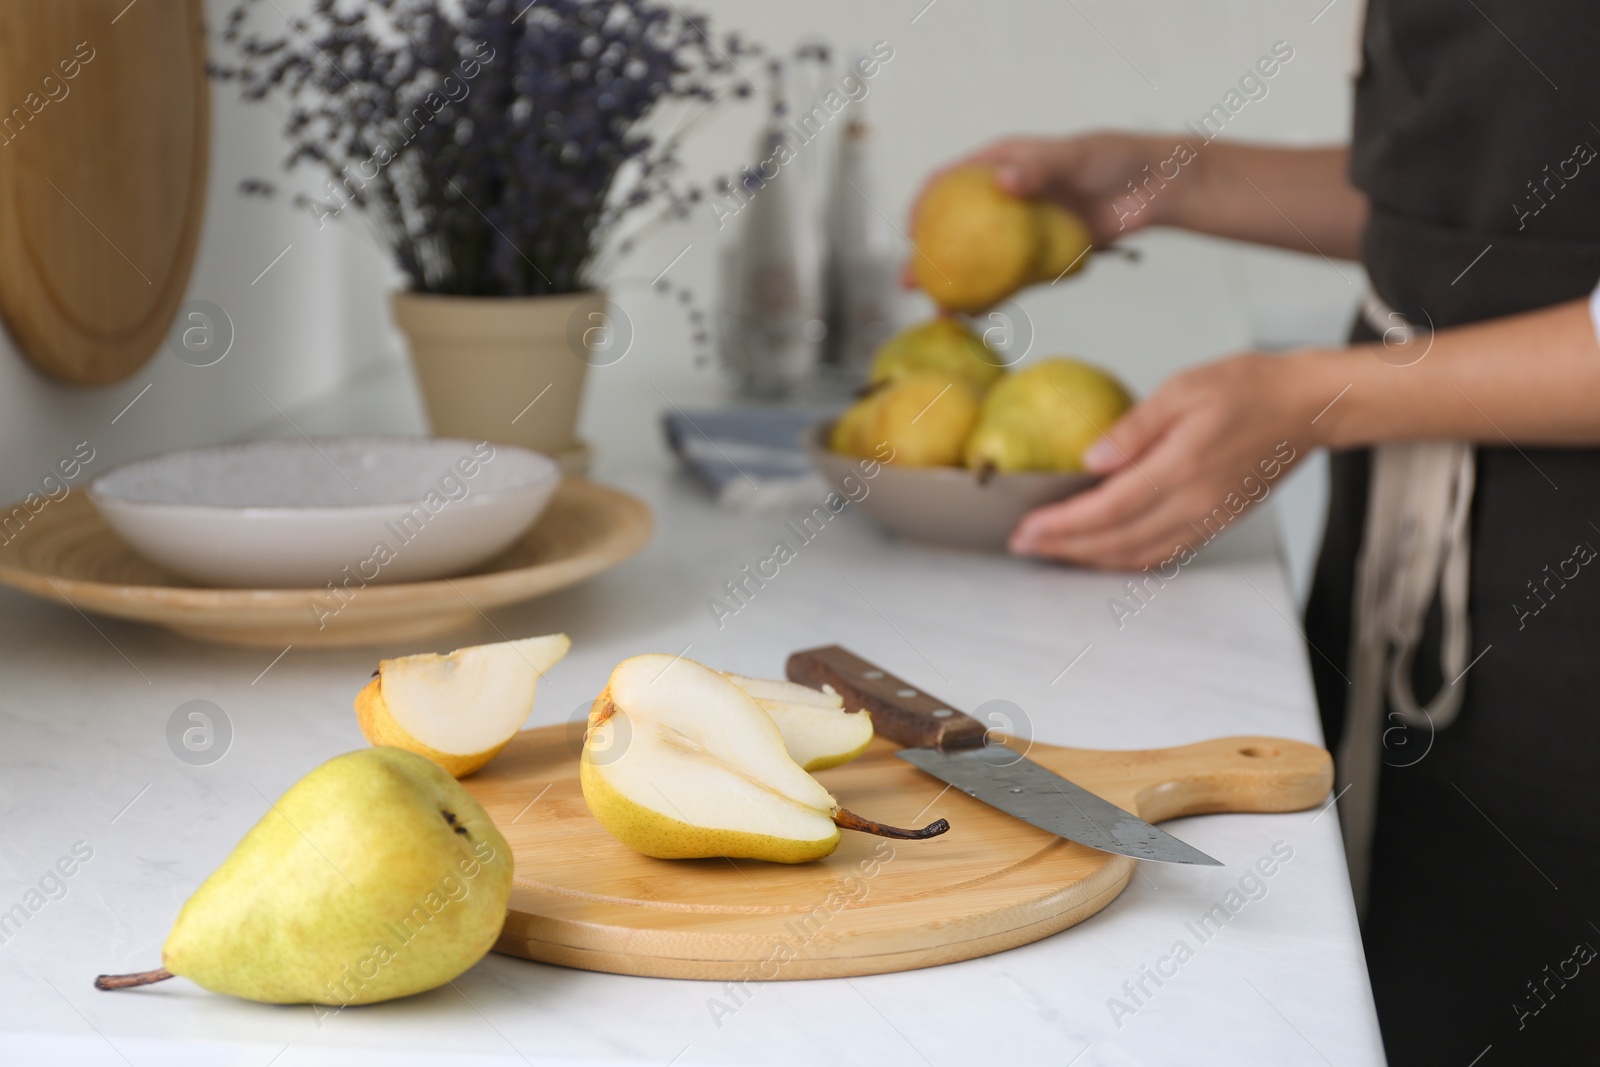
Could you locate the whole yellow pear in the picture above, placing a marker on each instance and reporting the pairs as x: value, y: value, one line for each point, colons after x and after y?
x: 975, y: 244
x: 375, y: 876
x: 944, y: 344
x: 849, y: 433
x: 925, y: 417
x: 1045, y: 417
x: 1066, y: 242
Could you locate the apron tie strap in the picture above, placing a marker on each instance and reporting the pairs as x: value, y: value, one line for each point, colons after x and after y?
x: 1416, y: 542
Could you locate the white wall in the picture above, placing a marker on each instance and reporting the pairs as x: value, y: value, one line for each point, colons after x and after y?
x: 963, y: 72
x: 299, y: 330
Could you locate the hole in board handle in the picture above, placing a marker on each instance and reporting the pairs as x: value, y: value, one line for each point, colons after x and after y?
x: 1259, y: 752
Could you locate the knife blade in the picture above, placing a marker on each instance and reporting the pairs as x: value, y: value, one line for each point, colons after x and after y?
x: 956, y: 748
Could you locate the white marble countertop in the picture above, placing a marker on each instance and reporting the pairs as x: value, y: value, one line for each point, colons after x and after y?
x: 84, y: 758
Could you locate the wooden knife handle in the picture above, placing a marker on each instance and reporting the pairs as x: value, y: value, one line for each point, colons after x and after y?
x: 901, y: 712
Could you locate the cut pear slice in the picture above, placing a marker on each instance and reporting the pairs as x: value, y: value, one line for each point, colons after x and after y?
x: 785, y: 691
x: 818, y: 731
x: 460, y: 709
x: 681, y: 763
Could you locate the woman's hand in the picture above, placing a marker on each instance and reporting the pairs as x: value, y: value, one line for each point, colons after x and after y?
x: 1089, y: 176
x: 1185, y: 463
x: 1119, y: 183
x: 1096, y: 176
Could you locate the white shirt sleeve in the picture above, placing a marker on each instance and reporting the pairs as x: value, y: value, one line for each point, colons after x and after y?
x: 1594, y: 311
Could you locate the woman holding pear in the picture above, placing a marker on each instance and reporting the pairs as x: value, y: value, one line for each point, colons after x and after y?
x: 1452, y: 626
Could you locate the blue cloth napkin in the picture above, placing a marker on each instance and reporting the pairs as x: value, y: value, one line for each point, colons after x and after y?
x: 749, y: 457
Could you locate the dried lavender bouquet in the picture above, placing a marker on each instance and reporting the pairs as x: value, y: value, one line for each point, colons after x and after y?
x: 494, y: 145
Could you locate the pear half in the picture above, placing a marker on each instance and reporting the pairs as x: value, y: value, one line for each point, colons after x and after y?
x: 681, y: 763
x: 460, y: 709
x: 818, y: 731
x: 375, y: 876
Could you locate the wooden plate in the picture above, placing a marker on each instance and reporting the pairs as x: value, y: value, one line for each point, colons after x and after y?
x: 582, y: 899
x: 68, y: 554
x: 102, y: 178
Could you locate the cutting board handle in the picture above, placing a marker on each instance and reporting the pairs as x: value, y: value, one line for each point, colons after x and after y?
x: 900, y: 711
x: 1235, y: 774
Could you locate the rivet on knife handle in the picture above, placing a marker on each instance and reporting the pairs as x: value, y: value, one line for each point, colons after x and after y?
x: 900, y: 712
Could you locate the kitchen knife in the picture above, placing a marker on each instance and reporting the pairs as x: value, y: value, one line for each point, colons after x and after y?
x: 955, y: 748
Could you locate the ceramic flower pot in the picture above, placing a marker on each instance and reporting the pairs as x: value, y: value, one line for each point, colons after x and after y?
x: 507, y: 369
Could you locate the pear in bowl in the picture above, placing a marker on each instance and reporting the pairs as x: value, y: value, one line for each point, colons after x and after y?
x: 1045, y: 417
x: 919, y: 419
x: 961, y: 479
x: 944, y: 344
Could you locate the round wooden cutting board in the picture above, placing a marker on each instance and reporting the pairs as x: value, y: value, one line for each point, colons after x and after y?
x: 582, y: 899
x: 103, y: 161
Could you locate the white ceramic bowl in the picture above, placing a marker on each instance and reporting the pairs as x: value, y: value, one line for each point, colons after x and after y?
x: 304, y: 512
x: 942, y: 505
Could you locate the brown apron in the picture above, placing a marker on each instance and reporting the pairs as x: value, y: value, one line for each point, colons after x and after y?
x: 1473, y: 140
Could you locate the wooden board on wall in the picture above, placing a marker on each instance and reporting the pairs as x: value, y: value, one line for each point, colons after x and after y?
x: 104, y: 153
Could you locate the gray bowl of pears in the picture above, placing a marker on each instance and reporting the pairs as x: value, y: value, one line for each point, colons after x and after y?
x: 948, y: 447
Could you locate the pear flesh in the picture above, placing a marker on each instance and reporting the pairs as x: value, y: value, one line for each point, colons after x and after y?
x: 375, y: 876
x: 1044, y: 418
x: 818, y: 732
x: 460, y: 709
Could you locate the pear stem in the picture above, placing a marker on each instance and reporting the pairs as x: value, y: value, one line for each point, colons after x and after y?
x: 849, y: 820
x: 127, y: 981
